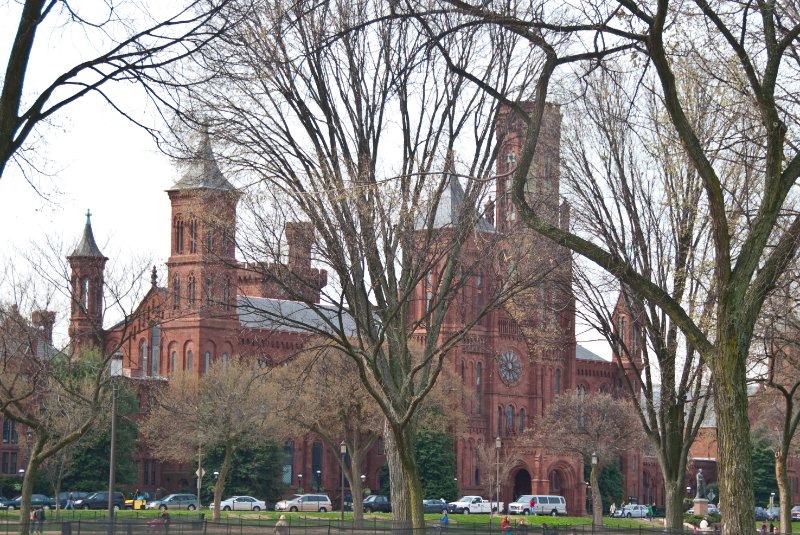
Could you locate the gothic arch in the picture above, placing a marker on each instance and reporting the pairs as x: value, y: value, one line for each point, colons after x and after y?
x: 564, y: 481
x: 522, y: 481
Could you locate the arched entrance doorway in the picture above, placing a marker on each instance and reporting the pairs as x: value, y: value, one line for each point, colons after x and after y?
x: 522, y: 483
x: 563, y: 481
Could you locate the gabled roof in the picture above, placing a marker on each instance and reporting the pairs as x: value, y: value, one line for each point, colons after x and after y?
x: 202, y: 171
x: 291, y: 316
x: 581, y: 353
x: 449, y: 209
x: 87, y: 246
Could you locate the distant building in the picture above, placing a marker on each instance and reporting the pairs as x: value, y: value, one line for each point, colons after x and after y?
x: 514, y: 364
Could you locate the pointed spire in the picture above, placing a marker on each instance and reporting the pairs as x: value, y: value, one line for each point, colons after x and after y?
x: 87, y: 246
x: 202, y: 171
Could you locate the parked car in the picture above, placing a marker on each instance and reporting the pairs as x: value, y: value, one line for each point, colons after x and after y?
x: 634, y: 511
x: 773, y: 513
x: 434, y: 506
x: 524, y: 505
x: 99, y: 500
x: 175, y: 501
x: 138, y: 501
x: 796, y: 513
x: 305, y: 502
x: 37, y: 500
x: 377, y: 503
x: 241, y: 503
x: 761, y: 513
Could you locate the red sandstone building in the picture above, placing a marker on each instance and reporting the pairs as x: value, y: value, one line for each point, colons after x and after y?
x: 204, y: 313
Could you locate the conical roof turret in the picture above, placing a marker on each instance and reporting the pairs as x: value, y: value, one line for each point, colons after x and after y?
x: 87, y: 246
x: 202, y: 171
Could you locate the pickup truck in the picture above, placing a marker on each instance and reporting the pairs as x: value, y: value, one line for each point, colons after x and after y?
x: 474, y: 504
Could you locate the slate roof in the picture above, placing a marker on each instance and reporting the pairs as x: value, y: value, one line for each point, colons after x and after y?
x: 581, y: 353
x: 449, y: 209
x: 291, y: 316
x: 202, y: 171
x: 87, y: 246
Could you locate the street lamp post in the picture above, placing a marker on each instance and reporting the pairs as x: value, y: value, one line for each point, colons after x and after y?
x: 343, y: 451
x: 300, y: 480
x: 597, y: 512
x: 114, y: 371
x: 319, y: 480
x: 497, y: 445
x: 771, y: 500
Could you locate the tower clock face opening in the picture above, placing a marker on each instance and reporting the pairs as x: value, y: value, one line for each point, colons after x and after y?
x: 509, y: 367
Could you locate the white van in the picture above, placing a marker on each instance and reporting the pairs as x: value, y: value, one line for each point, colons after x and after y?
x: 529, y: 504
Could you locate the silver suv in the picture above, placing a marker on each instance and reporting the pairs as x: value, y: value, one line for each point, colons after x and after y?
x: 175, y: 501
x: 305, y: 502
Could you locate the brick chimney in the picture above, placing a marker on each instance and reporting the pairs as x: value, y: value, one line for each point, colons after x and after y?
x: 44, y: 320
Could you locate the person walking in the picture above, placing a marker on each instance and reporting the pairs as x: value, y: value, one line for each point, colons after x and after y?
x: 280, y: 526
x: 444, y: 521
x: 612, y: 509
x: 763, y: 528
x: 650, y: 511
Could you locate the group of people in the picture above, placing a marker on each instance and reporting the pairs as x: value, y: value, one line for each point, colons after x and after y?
x: 37, y: 520
x: 506, y: 527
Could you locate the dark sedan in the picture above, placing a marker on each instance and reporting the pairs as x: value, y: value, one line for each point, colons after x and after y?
x: 434, y: 506
x: 376, y: 503
x: 37, y: 501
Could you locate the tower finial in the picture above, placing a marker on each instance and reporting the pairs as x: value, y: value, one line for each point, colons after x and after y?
x: 153, y: 277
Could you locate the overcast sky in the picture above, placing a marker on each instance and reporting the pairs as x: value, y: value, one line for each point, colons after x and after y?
x: 93, y: 158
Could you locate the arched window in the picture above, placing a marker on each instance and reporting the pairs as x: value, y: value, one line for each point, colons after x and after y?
x: 316, y: 464
x: 288, y: 461
x: 176, y: 292
x: 499, y: 421
x: 178, y: 236
x: 509, y: 420
x: 479, y: 292
x: 209, y: 240
x: 581, y: 391
x: 155, y: 351
x: 189, y: 360
x: 477, y: 463
x: 208, y: 360
x: 174, y: 364
x: 209, y: 291
x: 225, y: 360
x: 192, y: 291
x: 193, y: 236
x: 85, y: 294
x: 558, y: 381
x: 143, y: 357
x: 478, y: 388
x: 521, y: 424
x: 226, y: 294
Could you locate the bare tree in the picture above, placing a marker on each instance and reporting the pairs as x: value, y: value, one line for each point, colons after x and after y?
x: 231, y: 404
x: 58, y: 394
x: 748, y: 55
x: 777, y: 371
x: 133, y: 47
x: 637, y: 194
x: 343, y: 116
x: 597, y: 427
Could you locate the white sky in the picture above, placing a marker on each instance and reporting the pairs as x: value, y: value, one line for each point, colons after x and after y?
x: 95, y: 159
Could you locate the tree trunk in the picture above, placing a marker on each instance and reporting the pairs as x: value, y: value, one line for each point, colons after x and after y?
x: 223, y: 473
x: 733, y: 439
x: 404, y: 478
x: 356, y: 488
x: 597, y: 498
x: 673, y: 500
x: 784, y: 491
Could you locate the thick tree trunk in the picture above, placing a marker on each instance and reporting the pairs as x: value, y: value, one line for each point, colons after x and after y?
x: 784, y: 492
x: 673, y: 500
x: 223, y: 473
x: 733, y: 440
x: 404, y: 478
